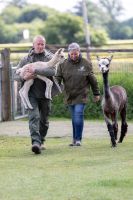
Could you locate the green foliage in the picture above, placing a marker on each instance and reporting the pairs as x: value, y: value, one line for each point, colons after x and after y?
x: 18, y: 3
x: 128, y: 22
x: 119, y: 30
x: 59, y: 109
x: 125, y: 32
x: 98, y: 37
x: 5, y: 36
x: 113, y: 8
x: 65, y: 29
x: 10, y: 14
x: 105, y: 14
x: 62, y: 29
x: 32, y: 12
x: 96, y: 16
x: 125, y: 80
x: 58, y: 28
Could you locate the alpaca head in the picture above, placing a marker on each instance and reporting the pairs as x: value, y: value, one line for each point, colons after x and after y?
x: 104, y: 63
x: 60, y: 55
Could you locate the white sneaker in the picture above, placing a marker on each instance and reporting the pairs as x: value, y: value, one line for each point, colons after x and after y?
x: 43, y: 147
x: 78, y: 143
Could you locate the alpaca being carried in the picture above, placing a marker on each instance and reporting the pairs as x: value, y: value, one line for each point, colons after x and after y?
x: 25, y: 72
x: 114, y: 101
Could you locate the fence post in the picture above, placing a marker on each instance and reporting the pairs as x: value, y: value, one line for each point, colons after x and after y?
x: 6, y: 86
x: 0, y: 90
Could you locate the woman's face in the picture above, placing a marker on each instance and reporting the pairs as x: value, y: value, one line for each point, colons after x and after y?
x: 74, y: 55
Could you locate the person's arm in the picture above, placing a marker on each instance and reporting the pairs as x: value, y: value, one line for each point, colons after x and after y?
x: 27, y: 74
x: 93, y: 83
x: 16, y: 75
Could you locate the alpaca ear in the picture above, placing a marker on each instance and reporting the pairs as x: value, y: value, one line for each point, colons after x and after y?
x: 98, y: 58
x: 60, y: 50
x: 110, y: 58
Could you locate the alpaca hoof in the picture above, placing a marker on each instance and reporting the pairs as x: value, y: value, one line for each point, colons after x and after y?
x: 29, y: 108
x: 114, y: 145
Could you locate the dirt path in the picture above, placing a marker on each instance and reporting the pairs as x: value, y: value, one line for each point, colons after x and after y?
x: 58, y: 128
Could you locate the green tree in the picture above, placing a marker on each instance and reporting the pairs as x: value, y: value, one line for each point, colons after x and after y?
x: 128, y: 22
x: 96, y: 16
x: 29, y: 14
x: 98, y: 37
x: 66, y: 28
x: 17, y: 3
x: 7, y: 34
x: 62, y: 28
x: 58, y: 28
x: 113, y: 8
x: 10, y: 14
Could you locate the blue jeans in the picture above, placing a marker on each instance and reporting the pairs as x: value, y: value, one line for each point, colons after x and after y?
x: 77, y: 114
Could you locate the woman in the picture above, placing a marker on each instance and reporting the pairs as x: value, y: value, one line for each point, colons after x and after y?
x: 77, y: 75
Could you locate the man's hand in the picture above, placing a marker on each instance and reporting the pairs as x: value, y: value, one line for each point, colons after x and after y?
x: 29, y: 73
x: 96, y: 98
x: 28, y: 76
x: 31, y: 70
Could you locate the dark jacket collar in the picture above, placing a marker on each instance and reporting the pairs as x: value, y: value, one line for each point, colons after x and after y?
x: 32, y: 52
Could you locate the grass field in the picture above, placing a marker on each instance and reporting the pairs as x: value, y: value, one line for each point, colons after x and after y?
x: 91, y: 172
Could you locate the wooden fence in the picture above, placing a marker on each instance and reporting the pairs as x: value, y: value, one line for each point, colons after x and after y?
x: 8, y: 96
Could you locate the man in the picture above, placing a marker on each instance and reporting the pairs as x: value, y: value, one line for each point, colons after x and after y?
x: 77, y: 75
x: 38, y: 116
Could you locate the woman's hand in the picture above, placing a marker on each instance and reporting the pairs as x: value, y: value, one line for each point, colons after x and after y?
x: 96, y: 98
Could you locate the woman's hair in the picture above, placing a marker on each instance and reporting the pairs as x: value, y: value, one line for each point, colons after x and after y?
x: 73, y: 46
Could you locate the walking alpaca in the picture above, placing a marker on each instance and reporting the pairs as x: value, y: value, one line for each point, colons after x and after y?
x: 114, y: 101
x: 58, y: 57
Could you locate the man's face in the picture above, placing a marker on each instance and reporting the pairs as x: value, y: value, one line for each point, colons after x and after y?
x: 74, y: 55
x: 39, y: 45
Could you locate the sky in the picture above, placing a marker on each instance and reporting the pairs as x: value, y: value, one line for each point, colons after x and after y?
x: 63, y: 5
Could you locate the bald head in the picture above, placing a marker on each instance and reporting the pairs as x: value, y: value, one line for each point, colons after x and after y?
x: 39, y: 37
x: 39, y: 43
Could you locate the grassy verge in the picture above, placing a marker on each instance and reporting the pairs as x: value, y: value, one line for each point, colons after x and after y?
x: 91, y: 172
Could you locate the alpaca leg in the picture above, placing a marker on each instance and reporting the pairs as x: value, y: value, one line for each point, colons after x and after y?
x: 115, y: 127
x: 110, y: 129
x: 112, y: 135
x: 24, y: 93
x: 124, y: 125
x: 26, y: 99
x: 49, y: 85
x: 22, y: 98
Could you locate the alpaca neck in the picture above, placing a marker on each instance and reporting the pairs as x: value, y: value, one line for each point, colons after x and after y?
x: 53, y: 61
x: 106, y: 85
